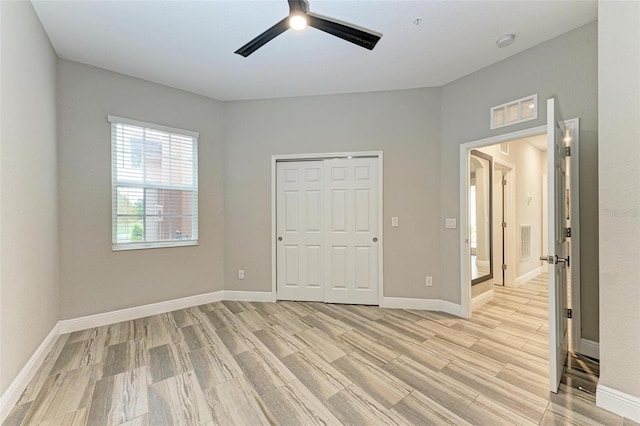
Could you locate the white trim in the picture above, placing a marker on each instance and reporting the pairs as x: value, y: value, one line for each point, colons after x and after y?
x: 274, y: 245
x: 117, y: 182
x: 529, y: 275
x: 510, y: 218
x: 589, y: 348
x: 249, y: 296
x: 451, y: 308
x: 534, y: 98
x: 482, y: 299
x: 574, y: 182
x: 128, y: 314
x: 465, y: 288
x: 153, y: 245
x: 621, y: 403
x: 380, y: 227
x: 325, y: 156
x: 411, y: 303
x: 465, y: 273
x: 19, y: 384
x: 122, y: 120
x: 422, y: 305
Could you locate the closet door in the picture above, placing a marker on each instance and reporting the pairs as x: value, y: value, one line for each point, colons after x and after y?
x: 351, y: 231
x: 299, y: 223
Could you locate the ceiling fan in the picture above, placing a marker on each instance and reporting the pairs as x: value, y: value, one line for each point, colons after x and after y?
x: 298, y: 19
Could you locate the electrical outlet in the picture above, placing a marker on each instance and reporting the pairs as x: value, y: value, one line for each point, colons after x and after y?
x: 394, y: 221
x: 241, y: 274
x: 429, y: 281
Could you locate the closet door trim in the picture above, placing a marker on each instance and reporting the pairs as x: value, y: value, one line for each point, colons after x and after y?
x: 320, y: 157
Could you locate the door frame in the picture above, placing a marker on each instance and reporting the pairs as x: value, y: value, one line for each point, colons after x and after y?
x: 465, y: 273
x: 510, y: 218
x: 318, y: 157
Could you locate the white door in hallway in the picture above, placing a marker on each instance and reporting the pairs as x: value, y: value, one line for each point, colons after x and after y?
x: 299, y: 224
x: 351, y: 231
x: 558, y: 251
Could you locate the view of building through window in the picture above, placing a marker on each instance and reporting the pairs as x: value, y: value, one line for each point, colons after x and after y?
x: 155, y: 196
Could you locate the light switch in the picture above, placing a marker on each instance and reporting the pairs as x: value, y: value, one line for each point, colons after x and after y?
x: 450, y: 223
x: 394, y: 221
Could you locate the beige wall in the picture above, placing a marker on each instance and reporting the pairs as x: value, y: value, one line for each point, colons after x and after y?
x: 566, y: 68
x: 403, y: 124
x: 528, y: 211
x: 93, y: 278
x: 619, y: 162
x: 28, y: 192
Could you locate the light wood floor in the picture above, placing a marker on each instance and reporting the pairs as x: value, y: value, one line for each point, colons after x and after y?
x: 310, y: 363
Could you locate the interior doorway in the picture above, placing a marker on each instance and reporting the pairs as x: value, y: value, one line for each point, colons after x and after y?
x: 506, y: 220
x: 534, y: 304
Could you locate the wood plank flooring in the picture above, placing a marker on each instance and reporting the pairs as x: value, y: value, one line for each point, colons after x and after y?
x: 290, y: 363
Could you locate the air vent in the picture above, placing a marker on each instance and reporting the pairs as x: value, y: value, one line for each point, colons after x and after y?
x: 518, y: 111
x: 504, y: 148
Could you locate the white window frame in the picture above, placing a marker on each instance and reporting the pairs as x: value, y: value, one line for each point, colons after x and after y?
x: 193, y: 240
x: 518, y: 103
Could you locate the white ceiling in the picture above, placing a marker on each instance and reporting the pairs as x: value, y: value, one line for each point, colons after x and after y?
x: 539, y: 142
x: 190, y: 44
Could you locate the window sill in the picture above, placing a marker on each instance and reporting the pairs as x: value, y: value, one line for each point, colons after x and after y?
x: 159, y: 244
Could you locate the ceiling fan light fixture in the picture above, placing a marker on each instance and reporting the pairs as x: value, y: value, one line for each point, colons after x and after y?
x: 298, y: 19
x: 298, y: 22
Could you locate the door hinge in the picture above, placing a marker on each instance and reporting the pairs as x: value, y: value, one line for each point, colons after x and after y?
x: 504, y: 182
x: 567, y: 151
x: 504, y: 224
x: 504, y: 267
x: 569, y: 313
x: 567, y: 232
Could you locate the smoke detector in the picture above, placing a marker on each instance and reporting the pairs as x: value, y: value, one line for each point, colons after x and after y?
x: 505, y: 40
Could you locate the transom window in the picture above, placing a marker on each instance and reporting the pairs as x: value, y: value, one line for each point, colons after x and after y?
x: 154, y: 185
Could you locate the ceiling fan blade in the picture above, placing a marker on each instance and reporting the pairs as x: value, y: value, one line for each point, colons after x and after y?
x: 354, y: 35
x: 264, y: 38
x: 299, y: 6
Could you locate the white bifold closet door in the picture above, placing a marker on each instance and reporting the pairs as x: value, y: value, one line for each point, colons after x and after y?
x: 327, y: 230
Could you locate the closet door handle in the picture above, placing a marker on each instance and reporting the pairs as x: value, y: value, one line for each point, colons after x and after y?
x: 279, y: 238
x: 375, y: 239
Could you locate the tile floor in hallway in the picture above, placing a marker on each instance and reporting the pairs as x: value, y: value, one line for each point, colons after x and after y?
x: 292, y: 363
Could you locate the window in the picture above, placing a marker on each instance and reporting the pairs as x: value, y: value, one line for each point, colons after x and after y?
x: 154, y: 185
x: 504, y: 148
x: 517, y: 111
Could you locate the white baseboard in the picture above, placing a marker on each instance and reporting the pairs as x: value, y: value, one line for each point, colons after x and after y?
x: 13, y: 392
x: 618, y: 402
x: 483, y: 298
x: 249, y: 296
x: 422, y: 305
x: 452, y: 308
x: 589, y: 348
x: 528, y: 276
x: 19, y: 384
x: 128, y: 314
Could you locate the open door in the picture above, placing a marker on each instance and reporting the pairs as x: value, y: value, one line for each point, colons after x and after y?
x: 558, y: 251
